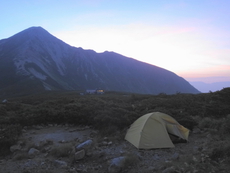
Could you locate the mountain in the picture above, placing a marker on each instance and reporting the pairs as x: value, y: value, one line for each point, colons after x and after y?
x: 34, y: 60
x: 207, y: 87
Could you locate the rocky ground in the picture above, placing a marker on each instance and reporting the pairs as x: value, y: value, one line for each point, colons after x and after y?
x: 64, y: 149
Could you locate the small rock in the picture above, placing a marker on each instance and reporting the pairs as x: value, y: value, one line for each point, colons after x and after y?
x: 33, y: 152
x: 2, y: 161
x: 72, y: 169
x: 169, y: 170
x: 156, y: 157
x: 209, y: 136
x: 43, y: 165
x: 15, y: 148
x: 43, y: 143
x: 62, y: 141
x: 175, y: 156
x: 116, y: 164
x: 196, y: 130
x: 93, y: 133
x: 46, y: 149
x: 30, y: 163
x: 194, y: 159
x: 60, y: 164
x: 104, y: 143
x: 85, y: 145
x: 79, y: 154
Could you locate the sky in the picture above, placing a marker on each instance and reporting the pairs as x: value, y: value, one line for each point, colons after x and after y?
x: 188, y: 37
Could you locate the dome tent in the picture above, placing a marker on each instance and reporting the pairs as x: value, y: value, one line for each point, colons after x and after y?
x: 153, y: 130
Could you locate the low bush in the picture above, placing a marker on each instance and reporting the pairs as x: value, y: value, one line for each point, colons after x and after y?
x: 210, y: 123
x: 222, y: 152
x: 8, y: 136
x: 188, y: 122
x: 225, y: 128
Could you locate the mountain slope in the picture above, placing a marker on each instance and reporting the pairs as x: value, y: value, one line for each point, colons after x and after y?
x: 35, y: 58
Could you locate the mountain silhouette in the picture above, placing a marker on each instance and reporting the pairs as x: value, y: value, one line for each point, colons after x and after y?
x: 34, y: 60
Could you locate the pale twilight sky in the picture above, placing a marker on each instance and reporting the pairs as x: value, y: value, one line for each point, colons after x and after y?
x: 188, y: 37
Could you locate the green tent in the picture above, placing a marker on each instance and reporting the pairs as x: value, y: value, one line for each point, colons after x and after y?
x: 153, y: 130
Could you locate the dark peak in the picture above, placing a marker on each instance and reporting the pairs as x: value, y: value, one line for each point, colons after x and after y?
x: 31, y: 33
x: 35, y: 30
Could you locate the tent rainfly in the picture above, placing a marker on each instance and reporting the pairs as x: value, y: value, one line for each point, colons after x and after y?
x: 153, y: 130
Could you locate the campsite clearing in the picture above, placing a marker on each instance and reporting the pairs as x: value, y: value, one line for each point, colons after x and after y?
x: 185, y: 156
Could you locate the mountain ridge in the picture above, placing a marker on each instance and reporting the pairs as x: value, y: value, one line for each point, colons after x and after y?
x: 34, y: 55
x: 210, y: 87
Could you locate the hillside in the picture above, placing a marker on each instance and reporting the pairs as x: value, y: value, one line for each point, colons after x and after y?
x: 34, y: 60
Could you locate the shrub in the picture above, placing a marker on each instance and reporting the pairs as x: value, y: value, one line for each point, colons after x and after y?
x: 8, y: 136
x: 187, y: 122
x: 223, y: 151
x: 225, y: 129
x: 3, y: 111
x: 210, y: 123
x: 13, y: 106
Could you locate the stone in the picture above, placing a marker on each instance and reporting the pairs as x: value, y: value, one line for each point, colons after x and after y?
x: 63, y: 141
x: 60, y: 164
x: 15, y: 148
x: 79, y: 154
x: 116, y: 164
x: 171, y: 169
x: 85, y: 145
x: 72, y: 169
x: 43, y: 143
x: 33, y: 152
x: 196, y: 130
x: 175, y: 156
x: 156, y: 157
x: 30, y: 163
x: 104, y: 143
